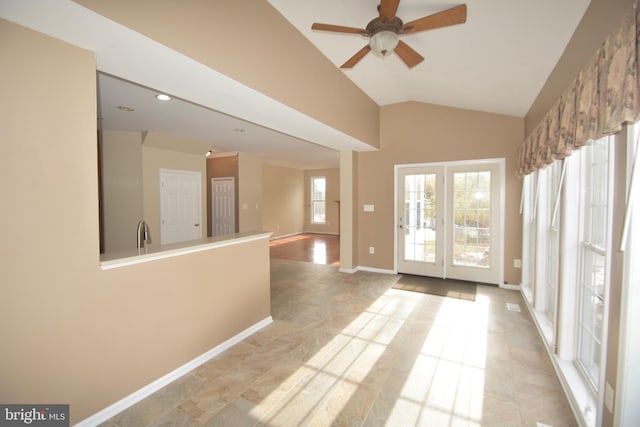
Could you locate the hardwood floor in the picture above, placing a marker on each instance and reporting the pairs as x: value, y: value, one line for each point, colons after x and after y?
x: 309, y: 247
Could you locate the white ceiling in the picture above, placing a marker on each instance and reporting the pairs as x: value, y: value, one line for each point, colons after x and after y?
x: 496, y: 62
x: 273, y: 130
x: 219, y: 132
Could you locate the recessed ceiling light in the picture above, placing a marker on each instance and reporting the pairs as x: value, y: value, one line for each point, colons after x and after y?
x: 163, y: 97
x: 125, y: 108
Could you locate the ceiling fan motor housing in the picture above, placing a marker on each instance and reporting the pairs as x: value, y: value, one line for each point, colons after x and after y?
x: 376, y: 25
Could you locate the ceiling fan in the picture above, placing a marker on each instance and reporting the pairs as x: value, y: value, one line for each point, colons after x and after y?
x: 385, y: 29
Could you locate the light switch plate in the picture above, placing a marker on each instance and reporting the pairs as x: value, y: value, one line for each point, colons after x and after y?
x: 369, y: 208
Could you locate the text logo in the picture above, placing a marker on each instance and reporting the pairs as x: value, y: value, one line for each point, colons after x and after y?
x: 34, y: 415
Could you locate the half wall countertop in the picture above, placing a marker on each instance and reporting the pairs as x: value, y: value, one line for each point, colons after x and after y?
x: 155, y: 252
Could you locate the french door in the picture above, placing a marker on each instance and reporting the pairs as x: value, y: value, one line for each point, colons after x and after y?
x: 449, y: 220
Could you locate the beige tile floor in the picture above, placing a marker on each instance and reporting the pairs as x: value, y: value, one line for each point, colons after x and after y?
x: 347, y: 350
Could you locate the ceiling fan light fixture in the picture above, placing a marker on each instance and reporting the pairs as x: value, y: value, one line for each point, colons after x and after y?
x: 383, y: 42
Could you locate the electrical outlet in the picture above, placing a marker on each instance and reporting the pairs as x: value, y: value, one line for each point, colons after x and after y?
x: 517, y: 263
x: 372, y: 250
x: 608, y: 397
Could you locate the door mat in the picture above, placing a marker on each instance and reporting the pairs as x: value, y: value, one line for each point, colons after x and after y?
x: 434, y: 286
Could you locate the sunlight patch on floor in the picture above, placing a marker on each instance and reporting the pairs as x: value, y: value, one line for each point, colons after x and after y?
x: 337, y: 372
x: 446, y: 383
x: 319, y: 252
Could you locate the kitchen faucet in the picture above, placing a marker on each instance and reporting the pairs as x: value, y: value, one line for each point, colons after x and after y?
x: 142, y: 235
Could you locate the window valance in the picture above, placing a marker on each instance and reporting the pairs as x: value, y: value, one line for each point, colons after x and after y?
x: 604, y: 96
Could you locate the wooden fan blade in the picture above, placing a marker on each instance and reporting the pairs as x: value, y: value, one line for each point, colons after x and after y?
x: 455, y: 15
x: 356, y: 58
x: 338, y: 29
x: 388, y: 9
x: 408, y: 55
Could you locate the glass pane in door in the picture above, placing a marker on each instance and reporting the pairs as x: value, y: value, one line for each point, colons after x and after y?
x: 420, y: 217
x: 472, y: 219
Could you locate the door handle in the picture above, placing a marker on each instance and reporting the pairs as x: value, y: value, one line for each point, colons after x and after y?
x: 196, y: 225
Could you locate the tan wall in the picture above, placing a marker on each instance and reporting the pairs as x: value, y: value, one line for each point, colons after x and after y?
x: 348, y: 215
x: 332, y: 211
x: 600, y: 19
x: 282, y: 200
x: 154, y: 159
x: 122, y: 188
x: 423, y: 133
x: 250, y: 192
x: 71, y: 332
x: 261, y: 40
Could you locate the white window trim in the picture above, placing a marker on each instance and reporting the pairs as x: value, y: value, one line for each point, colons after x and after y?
x: 627, y: 410
x: 528, y: 238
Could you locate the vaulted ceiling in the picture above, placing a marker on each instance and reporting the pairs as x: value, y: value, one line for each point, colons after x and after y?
x: 496, y: 62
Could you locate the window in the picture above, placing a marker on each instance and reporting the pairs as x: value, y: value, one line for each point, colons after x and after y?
x: 552, y: 239
x: 472, y: 212
x: 566, y: 256
x: 593, y: 261
x: 318, y: 199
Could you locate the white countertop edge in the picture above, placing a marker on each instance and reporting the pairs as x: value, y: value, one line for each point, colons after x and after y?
x: 168, y: 253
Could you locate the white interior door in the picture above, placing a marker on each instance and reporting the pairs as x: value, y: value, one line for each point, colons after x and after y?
x: 223, y: 206
x: 420, y: 225
x: 449, y: 220
x: 180, y: 206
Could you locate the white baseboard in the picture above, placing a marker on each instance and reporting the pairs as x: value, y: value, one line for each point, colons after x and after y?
x: 369, y: 269
x: 375, y: 270
x: 510, y: 287
x: 321, y: 232
x: 284, y: 236
x: 149, y: 389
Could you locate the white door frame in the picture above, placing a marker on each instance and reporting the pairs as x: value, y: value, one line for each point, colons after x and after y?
x: 500, y: 162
